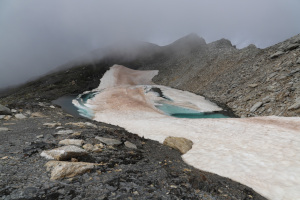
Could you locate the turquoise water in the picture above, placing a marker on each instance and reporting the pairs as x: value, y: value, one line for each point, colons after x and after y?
x: 79, y: 110
x: 175, y: 111
x: 180, y: 112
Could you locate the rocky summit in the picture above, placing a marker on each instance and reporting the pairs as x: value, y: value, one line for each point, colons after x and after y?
x: 46, y: 153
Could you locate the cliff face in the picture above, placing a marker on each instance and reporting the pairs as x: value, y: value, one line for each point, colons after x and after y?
x: 250, y: 81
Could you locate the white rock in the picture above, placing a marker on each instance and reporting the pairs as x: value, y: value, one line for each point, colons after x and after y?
x: 13, y: 110
x: 62, y: 169
x: 2, y: 116
x: 75, y: 142
x: 64, y: 132
x: 39, y: 136
x: 64, y: 153
x: 52, y: 106
x: 20, y: 116
x: 256, y: 106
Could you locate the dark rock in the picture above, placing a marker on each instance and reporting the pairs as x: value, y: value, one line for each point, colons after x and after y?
x: 4, y: 110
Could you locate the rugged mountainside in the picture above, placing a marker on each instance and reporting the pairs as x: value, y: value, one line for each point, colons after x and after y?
x: 240, y: 78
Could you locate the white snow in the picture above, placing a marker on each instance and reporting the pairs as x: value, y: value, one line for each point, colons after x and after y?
x: 262, y: 152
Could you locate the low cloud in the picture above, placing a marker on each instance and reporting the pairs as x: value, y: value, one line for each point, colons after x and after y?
x: 37, y: 36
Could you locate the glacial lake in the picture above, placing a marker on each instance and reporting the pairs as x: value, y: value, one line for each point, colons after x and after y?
x: 175, y: 111
x: 180, y: 112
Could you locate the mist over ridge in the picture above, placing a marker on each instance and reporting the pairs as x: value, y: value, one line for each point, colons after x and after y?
x: 36, y: 37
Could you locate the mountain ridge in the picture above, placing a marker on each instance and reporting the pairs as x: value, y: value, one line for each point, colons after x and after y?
x: 238, y: 78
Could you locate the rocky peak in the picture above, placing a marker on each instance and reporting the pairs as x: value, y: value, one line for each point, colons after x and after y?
x: 187, y: 44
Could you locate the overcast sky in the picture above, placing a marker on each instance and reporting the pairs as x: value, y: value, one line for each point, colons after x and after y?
x: 37, y: 36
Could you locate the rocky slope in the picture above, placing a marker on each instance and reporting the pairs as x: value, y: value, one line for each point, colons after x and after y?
x: 250, y: 81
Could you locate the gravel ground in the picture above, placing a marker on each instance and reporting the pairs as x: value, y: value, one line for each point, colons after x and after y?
x: 152, y: 171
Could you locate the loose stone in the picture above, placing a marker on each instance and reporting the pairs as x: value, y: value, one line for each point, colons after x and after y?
x: 256, y: 106
x: 64, y: 132
x: 61, y: 169
x: 51, y: 125
x: 179, y: 143
x: 64, y: 153
x: 75, y: 142
x: 108, y: 141
x: 3, y: 129
x: 20, y: 116
x: 130, y: 145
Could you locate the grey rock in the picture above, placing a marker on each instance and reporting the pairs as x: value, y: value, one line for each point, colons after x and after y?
x: 266, y: 99
x: 277, y: 54
x: 108, y: 141
x: 296, y: 105
x: 294, y: 72
x: 130, y: 145
x: 64, y: 132
x: 292, y: 47
x: 4, y: 110
x: 298, y: 61
x: 3, y: 129
x: 20, y: 116
x: 75, y: 142
x: 64, y: 153
x: 179, y: 143
x: 62, y: 169
x: 256, y: 106
x: 2, y: 116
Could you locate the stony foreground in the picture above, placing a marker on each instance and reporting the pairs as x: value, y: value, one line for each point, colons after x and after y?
x: 134, y: 168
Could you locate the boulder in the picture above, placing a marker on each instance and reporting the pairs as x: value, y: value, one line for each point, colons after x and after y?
x: 64, y: 153
x: 63, y: 169
x: 181, y: 144
x: 75, y: 142
x: 108, y: 141
x: 256, y: 106
x: 4, y: 110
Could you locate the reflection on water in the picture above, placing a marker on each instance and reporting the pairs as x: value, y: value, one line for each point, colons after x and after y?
x: 65, y: 102
x: 180, y: 112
